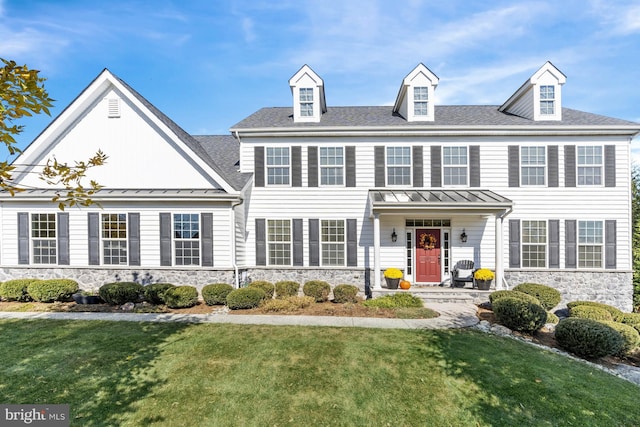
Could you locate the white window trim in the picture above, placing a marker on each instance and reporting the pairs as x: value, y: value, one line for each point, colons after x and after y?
x: 544, y: 168
x: 344, y: 168
x: 387, y: 166
x: 545, y: 244
x: 175, y: 239
x: 32, y: 239
x: 425, y: 101
x: 455, y: 166
x: 344, y: 243
x: 267, y: 167
x: 552, y: 100
x: 269, y: 242
x: 601, y: 245
x: 125, y: 239
x: 578, y: 166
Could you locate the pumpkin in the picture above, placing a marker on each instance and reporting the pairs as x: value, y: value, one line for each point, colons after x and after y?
x: 405, y: 284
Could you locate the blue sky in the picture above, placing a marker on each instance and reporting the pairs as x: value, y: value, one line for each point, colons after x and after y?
x: 208, y: 64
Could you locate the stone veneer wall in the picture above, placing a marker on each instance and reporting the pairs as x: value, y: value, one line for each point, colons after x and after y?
x: 609, y: 287
x: 332, y: 276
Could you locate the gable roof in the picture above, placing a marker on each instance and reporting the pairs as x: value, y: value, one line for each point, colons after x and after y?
x: 226, y: 150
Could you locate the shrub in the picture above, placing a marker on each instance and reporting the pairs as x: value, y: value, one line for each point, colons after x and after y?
x: 216, y: 293
x: 552, y: 318
x: 52, y: 290
x: 399, y: 300
x: 16, y: 289
x: 345, y: 293
x: 287, y: 288
x: 630, y: 336
x: 519, y: 315
x: 494, y: 296
x: 267, y: 287
x: 154, y: 293
x: 588, y: 338
x: 632, y: 319
x: 615, y: 313
x: 249, y: 297
x: 181, y: 297
x: 119, y: 293
x: 317, y: 289
x: 287, y: 304
x: 590, y: 312
x: 549, y: 297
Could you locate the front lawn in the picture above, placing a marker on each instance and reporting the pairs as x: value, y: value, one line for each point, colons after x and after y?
x: 137, y: 374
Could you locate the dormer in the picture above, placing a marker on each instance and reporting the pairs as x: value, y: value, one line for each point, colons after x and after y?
x: 540, y: 97
x: 415, y: 98
x: 307, y: 89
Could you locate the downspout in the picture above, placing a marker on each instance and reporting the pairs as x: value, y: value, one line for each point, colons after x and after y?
x: 500, y: 218
x: 233, y: 242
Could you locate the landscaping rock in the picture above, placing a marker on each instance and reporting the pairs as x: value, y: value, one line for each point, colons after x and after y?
x: 128, y: 306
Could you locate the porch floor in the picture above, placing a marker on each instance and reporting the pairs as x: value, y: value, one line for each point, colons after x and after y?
x: 438, y: 294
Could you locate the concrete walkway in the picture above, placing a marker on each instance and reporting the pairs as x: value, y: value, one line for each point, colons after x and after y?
x: 451, y: 316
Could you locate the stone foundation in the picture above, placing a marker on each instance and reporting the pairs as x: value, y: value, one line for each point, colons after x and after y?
x: 609, y: 287
x: 332, y: 276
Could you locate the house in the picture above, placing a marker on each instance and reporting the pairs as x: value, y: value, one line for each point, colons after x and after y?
x: 531, y: 189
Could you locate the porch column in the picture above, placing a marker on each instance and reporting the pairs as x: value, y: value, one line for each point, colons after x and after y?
x: 376, y: 251
x: 499, y: 252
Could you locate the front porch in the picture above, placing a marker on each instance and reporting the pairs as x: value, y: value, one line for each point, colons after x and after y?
x: 439, y: 294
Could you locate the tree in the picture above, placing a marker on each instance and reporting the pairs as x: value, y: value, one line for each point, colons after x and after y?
x: 635, y: 220
x: 22, y: 94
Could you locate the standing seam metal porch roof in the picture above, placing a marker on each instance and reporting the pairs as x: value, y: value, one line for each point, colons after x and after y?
x: 437, y: 199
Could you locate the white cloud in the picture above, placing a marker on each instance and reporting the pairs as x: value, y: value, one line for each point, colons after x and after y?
x: 617, y: 18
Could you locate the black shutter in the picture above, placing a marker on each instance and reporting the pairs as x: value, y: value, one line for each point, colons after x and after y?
x: 93, y: 222
x: 570, y: 244
x: 134, y: 238
x: 554, y: 243
x: 609, y: 166
x: 63, y: 238
x: 296, y: 166
x: 23, y: 238
x: 298, y: 247
x: 350, y: 165
x: 474, y: 166
x: 352, y: 242
x: 570, y: 166
x: 312, y: 166
x: 165, y: 238
x: 610, y: 239
x: 514, y: 243
x: 206, y: 238
x: 261, y: 242
x: 314, y: 242
x: 514, y: 166
x: 418, y: 166
x: 379, y: 166
x: 436, y: 166
x: 552, y: 169
x: 258, y: 166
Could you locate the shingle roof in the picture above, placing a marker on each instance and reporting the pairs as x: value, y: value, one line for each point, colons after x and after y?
x: 225, y: 150
x: 445, y: 115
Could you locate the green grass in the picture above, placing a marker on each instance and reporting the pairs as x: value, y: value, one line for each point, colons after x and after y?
x: 140, y: 374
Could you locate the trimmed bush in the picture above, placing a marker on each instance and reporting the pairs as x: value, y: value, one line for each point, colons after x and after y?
x: 590, y: 312
x: 494, y: 296
x: 345, y: 294
x: 16, y: 289
x: 616, y: 314
x: 181, y: 297
x: 52, y: 290
x: 519, y: 315
x: 317, y: 289
x: 267, y: 287
x: 630, y: 336
x: 287, y: 288
x: 288, y: 304
x: 548, y: 296
x: 216, y: 293
x: 588, y: 338
x: 399, y: 300
x: 154, y: 293
x: 632, y: 319
x: 552, y: 318
x: 119, y: 293
x: 249, y: 297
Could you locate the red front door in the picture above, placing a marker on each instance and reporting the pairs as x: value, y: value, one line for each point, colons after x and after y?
x: 428, y: 255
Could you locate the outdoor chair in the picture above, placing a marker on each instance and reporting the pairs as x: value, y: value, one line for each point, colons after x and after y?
x: 462, y: 273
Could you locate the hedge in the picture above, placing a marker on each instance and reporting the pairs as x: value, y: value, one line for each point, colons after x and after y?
x: 119, y: 293
x: 154, y: 293
x: 399, y: 300
x: 548, y: 296
x: 494, y: 296
x: 267, y: 287
x: 590, y: 312
x: 16, y: 289
x: 519, y: 315
x: 181, y: 297
x: 617, y: 314
x: 317, y: 289
x: 287, y: 288
x: 52, y: 290
x: 345, y: 294
x: 249, y: 297
x: 588, y: 338
x: 629, y: 335
x: 216, y: 293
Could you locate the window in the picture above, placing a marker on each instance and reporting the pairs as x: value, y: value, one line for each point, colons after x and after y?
x: 306, y: 102
x: 331, y: 165
x: 333, y: 242
x: 590, y: 242
x: 420, y: 101
x: 186, y: 239
x: 534, y: 244
x: 114, y: 239
x: 547, y: 100
x: 590, y: 165
x: 279, y: 241
x: 278, y: 165
x: 43, y: 238
x: 398, y: 166
x: 532, y: 164
x: 454, y: 165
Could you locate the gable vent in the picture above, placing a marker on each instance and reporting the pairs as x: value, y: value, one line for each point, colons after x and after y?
x: 113, y: 107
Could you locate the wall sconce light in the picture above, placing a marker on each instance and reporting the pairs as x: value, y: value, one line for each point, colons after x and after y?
x: 394, y: 236
x: 463, y: 237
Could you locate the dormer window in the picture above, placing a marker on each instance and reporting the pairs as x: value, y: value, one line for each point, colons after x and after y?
x: 547, y: 100
x: 420, y: 101
x: 306, y: 102
x: 307, y: 89
x: 415, y: 97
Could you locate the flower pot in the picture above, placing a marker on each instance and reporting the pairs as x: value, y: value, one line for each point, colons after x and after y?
x: 86, y: 299
x: 392, y: 283
x: 483, y: 285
